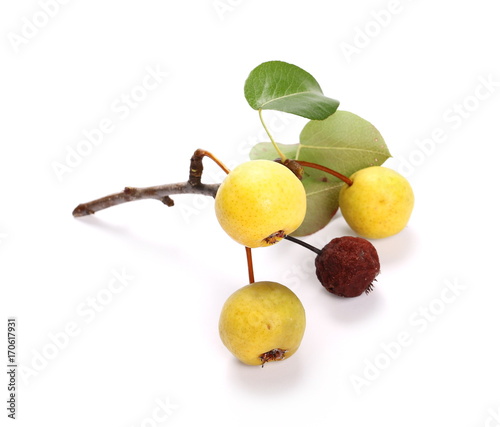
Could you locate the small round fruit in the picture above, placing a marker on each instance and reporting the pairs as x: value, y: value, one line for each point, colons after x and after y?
x: 260, y: 202
x: 347, y: 266
x: 378, y: 203
x: 262, y: 322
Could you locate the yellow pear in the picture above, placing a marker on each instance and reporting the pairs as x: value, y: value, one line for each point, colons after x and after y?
x: 259, y: 202
x: 379, y: 202
x: 262, y: 322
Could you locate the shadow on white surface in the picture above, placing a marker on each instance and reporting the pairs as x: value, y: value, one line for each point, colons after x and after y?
x: 274, y: 378
x: 358, y: 309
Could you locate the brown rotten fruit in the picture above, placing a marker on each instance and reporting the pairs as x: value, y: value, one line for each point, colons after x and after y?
x: 347, y: 266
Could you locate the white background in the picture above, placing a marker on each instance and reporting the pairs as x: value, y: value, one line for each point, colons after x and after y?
x: 156, y: 339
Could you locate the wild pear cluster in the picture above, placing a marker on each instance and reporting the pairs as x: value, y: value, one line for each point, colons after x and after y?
x: 273, y: 197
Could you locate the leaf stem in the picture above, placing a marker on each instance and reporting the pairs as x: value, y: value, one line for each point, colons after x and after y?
x: 338, y: 175
x: 280, y: 153
x: 303, y: 244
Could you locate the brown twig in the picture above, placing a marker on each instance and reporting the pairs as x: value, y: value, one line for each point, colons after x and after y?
x: 159, y: 192
x: 130, y: 194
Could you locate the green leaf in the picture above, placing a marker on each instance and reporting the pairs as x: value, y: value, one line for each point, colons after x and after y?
x: 343, y: 142
x: 277, y: 85
x: 265, y: 150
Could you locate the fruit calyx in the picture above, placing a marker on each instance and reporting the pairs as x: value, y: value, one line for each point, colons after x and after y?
x: 272, y: 355
x: 274, y: 238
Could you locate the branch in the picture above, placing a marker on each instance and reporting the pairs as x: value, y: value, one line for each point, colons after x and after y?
x: 159, y: 192
x: 130, y: 194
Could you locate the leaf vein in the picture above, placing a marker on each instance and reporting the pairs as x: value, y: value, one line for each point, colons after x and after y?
x: 287, y: 96
x: 315, y: 147
x: 329, y: 188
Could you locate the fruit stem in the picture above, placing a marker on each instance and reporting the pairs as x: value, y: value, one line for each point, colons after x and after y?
x: 201, y: 153
x: 304, y: 244
x: 280, y: 153
x: 250, y: 264
x: 344, y: 178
